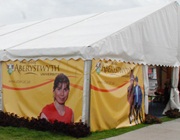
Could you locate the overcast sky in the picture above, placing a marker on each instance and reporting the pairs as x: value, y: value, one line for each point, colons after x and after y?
x: 14, y: 11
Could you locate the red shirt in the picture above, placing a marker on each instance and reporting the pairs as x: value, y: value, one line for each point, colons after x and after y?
x: 52, y: 114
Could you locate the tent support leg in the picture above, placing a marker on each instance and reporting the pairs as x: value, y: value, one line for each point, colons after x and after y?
x: 86, y: 92
x: 1, y: 95
x: 146, y: 88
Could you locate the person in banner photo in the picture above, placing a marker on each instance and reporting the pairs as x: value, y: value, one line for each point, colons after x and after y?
x: 130, y: 96
x: 137, y: 99
x: 58, y: 110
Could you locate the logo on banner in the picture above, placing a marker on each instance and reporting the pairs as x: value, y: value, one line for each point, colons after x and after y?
x: 32, y: 67
x: 111, y: 67
x: 10, y: 68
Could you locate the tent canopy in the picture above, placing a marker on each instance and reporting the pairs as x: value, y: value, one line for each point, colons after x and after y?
x: 144, y: 35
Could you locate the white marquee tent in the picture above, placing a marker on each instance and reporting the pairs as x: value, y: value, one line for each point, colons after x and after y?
x: 144, y: 35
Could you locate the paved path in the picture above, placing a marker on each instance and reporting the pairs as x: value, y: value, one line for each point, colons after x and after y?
x: 165, y: 131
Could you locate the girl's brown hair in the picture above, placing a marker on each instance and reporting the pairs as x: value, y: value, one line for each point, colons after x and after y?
x: 61, y: 78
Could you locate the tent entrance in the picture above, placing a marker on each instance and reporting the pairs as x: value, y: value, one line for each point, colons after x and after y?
x: 159, y: 89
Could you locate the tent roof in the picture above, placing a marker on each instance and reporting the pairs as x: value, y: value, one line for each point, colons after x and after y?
x: 145, y: 35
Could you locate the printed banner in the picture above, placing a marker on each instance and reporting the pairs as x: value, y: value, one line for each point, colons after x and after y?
x: 28, y: 85
x: 114, y: 102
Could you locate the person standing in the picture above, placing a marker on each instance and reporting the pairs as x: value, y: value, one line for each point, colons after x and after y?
x: 137, y: 99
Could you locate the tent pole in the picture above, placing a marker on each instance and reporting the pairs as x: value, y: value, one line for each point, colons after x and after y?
x: 146, y: 88
x: 86, y: 92
x: 1, y: 96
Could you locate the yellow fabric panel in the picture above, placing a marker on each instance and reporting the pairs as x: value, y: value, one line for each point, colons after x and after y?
x: 28, y: 85
x: 109, y: 83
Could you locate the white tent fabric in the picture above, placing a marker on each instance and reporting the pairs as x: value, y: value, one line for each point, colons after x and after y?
x: 151, y: 40
x: 25, y: 32
x: 145, y: 35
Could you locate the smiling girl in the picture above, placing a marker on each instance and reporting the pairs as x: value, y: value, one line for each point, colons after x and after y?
x: 57, y: 110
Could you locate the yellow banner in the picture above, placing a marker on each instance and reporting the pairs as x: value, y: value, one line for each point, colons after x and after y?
x: 110, y: 106
x: 28, y: 85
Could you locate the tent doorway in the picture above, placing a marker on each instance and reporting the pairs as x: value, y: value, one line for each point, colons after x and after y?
x: 159, y: 89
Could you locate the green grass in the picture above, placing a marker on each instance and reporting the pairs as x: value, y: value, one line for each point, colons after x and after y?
x: 13, y: 133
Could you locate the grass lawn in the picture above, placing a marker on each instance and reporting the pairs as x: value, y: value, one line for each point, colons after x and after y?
x: 13, y: 133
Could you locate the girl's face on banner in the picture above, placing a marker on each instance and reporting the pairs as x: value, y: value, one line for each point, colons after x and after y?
x: 61, y: 93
